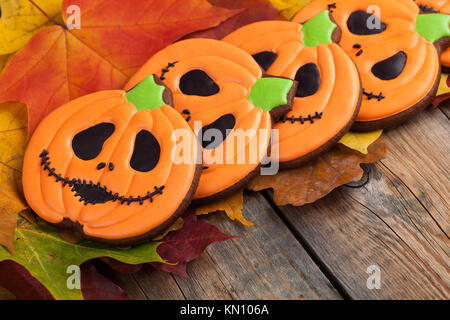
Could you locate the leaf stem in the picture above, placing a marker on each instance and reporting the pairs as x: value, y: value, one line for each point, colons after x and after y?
x: 45, y: 14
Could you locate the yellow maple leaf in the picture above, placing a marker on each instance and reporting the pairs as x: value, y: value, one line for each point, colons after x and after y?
x: 289, y: 8
x: 231, y: 205
x: 20, y: 20
x: 443, y: 87
x: 360, y: 141
x: 13, y: 136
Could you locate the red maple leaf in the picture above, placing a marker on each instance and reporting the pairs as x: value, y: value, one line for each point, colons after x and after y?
x: 115, y: 39
x: 186, y: 244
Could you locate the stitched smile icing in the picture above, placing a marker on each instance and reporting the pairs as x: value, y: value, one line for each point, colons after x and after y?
x: 91, y: 193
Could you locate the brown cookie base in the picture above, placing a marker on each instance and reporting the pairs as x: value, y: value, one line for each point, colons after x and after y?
x: 228, y: 191
x: 328, y: 145
x: 77, y: 228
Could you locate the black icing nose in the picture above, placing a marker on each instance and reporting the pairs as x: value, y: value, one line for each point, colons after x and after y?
x: 102, y: 165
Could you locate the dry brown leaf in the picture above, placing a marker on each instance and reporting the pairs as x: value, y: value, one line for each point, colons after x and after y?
x: 319, y: 177
x: 231, y: 205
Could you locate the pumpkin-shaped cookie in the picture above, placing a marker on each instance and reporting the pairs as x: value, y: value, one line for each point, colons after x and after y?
x: 329, y: 88
x: 396, y: 55
x: 437, y: 6
x: 102, y: 166
x: 220, y: 89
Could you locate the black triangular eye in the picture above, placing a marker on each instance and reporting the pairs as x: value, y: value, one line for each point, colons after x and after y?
x: 308, y: 77
x: 265, y: 59
x: 358, y: 23
x: 213, y: 139
x: 390, y: 68
x: 146, y: 152
x: 88, y: 143
x: 198, y: 83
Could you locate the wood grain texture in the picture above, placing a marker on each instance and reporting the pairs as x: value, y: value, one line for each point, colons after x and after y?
x: 398, y: 221
x: 266, y: 263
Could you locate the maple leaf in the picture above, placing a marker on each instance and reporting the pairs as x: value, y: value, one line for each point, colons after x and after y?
x: 188, y: 243
x: 46, y: 256
x: 289, y: 8
x: 319, y: 177
x: 21, y: 283
x: 13, y: 134
x: 21, y: 19
x: 250, y: 11
x: 360, y: 141
x: 115, y: 39
x: 96, y: 286
x: 231, y: 205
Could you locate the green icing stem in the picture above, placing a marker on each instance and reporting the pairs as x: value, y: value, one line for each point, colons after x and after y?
x: 147, y: 95
x: 318, y: 30
x: 433, y: 26
x: 269, y: 93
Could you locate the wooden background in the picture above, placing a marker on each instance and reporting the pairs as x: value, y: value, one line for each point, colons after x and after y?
x: 398, y: 221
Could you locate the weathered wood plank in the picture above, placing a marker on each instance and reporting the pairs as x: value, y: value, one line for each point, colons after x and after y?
x: 147, y: 284
x: 418, y: 155
x: 266, y: 263
x: 398, y: 221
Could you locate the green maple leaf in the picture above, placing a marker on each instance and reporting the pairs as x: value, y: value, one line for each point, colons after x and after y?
x: 47, y: 256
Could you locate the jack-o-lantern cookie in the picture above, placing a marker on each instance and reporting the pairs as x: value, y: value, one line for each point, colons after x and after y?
x: 225, y: 97
x: 102, y: 166
x: 437, y: 6
x: 396, y: 50
x: 329, y: 88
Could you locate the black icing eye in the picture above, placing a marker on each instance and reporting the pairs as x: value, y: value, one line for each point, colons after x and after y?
x: 390, y: 68
x: 362, y: 23
x: 265, y: 59
x: 212, y: 139
x: 88, y: 143
x: 308, y: 77
x: 198, y: 83
x: 146, y: 152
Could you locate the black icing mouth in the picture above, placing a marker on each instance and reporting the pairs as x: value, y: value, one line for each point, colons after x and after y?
x: 91, y: 193
x: 426, y: 9
x: 371, y: 95
x: 310, y: 118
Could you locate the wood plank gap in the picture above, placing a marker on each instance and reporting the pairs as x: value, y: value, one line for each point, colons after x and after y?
x: 445, y: 111
x: 178, y: 285
x: 304, y: 243
x: 139, y: 287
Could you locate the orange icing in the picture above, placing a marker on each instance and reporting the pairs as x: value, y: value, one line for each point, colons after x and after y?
x: 422, y: 66
x: 337, y: 98
x: 110, y: 220
x: 235, y: 72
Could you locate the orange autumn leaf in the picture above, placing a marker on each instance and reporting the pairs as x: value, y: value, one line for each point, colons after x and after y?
x: 251, y: 11
x: 115, y: 39
x: 319, y: 177
x: 231, y: 205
